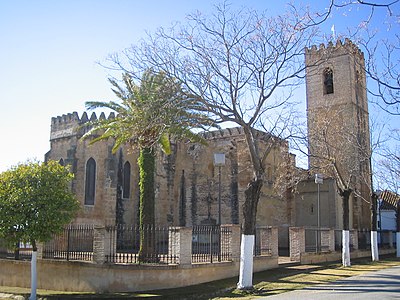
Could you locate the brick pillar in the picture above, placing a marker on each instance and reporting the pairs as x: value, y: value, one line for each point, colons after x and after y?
x: 180, y: 244
x: 100, y: 249
x: 331, y: 241
x: 274, y: 241
x: 234, y: 242
x: 297, y: 240
x: 40, y: 247
x: 354, y: 239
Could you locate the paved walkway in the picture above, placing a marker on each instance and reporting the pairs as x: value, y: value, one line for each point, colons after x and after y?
x: 380, y: 285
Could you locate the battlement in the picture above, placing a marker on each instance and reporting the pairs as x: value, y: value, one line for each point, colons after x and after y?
x: 67, y: 125
x: 238, y: 132
x: 217, y: 134
x: 314, y: 53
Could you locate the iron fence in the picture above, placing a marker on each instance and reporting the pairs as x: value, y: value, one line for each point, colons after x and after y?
x: 123, y: 243
x: 75, y: 242
x: 211, y: 243
x: 339, y: 240
x: 262, y: 241
x: 316, y: 240
x: 386, y: 239
x: 21, y: 251
x: 364, y: 239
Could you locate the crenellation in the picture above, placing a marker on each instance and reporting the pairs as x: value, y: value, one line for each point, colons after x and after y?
x: 323, y: 52
x: 67, y: 125
x: 84, y: 117
x: 93, y: 117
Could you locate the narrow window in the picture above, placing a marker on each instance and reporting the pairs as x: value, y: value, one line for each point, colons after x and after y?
x: 90, y: 183
x: 126, y: 181
x: 61, y: 162
x: 269, y: 174
x: 328, y: 81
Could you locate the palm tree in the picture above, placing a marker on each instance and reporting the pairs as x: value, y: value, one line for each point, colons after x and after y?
x: 148, y: 116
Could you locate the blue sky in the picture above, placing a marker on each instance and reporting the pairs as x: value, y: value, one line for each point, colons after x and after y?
x: 49, y: 53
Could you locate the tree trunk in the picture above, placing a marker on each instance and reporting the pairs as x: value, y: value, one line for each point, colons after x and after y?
x: 146, y: 162
x: 374, y: 233
x: 33, y: 271
x: 252, y: 195
x: 345, y: 194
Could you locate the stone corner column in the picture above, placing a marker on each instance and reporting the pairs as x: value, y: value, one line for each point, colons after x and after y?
x: 99, y: 236
x: 297, y: 238
x: 234, y: 242
x: 40, y: 248
x: 180, y: 244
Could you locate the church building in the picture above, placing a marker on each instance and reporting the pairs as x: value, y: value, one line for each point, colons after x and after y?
x: 189, y: 184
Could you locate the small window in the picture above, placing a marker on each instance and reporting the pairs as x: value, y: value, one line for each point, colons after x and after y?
x: 269, y: 174
x: 90, y: 182
x: 328, y: 81
x: 61, y: 162
x: 126, y: 180
x: 312, y: 209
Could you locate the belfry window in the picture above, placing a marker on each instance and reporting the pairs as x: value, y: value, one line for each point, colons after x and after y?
x: 126, y: 180
x: 328, y: 81
x: 90, y: 182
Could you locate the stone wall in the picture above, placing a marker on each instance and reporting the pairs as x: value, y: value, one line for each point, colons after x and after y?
x: 98, y: 276
x: 342, y: 116
x: 187, y: 182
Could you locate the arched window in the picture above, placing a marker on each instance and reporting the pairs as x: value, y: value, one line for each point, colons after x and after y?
x: 90, y: 182
x: 126, y: 180
x: 61, y: 162
x: 328, y: 81
x: 269, y: 174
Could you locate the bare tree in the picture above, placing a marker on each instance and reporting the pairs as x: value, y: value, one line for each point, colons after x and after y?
x: 388, y: 163
x: 243, y: 66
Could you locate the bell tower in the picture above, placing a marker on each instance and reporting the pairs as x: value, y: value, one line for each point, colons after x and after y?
x: 337, y: 116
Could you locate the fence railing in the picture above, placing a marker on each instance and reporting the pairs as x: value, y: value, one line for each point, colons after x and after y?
x: 386, y: 238
x: 123, y: 243
x: 263, y: 241
x: 19, y: 252
x: 317, y: 240
x: 211, y: 243
x: 73, y: 243
x: 160, y: 245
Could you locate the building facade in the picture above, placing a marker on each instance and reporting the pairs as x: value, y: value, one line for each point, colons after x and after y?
x: 187, y: 183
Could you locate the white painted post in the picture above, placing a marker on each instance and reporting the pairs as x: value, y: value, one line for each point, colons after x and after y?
x: 33, y: 276
x: 246, y: 262
x: 374, y: 246
x: 346, y: 248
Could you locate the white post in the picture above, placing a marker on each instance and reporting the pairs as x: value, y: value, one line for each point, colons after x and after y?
x: 374, y: 246
x: 398, y: 244
x: 33, y: 276
x: 346, y: 248
x: 246, y: 262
